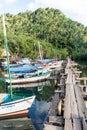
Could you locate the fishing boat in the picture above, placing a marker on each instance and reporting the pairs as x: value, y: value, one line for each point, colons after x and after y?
x: 17, y: 104
x: 18, y: 72
x: 39, y: 75
x: 29, y: 85
x: 51, y: 64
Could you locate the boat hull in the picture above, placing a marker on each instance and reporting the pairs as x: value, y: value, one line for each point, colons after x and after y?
x: 23, y: 113
x: 15, y: 109
x: 28, y: 80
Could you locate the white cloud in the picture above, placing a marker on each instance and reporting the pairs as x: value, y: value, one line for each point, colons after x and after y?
x: 10, y: 1
x: 75, y: 9
x: 1, y: 8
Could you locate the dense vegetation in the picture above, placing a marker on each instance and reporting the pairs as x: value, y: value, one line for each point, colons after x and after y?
x: 57, y: 35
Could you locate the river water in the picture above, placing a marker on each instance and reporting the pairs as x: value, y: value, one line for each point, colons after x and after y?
x: 38, y: 111
x: 44, y: 92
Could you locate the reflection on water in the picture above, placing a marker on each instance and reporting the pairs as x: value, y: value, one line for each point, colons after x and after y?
x: 83, y: 67
x: 38, y: 111
x: 42, y: 103
x: 17, y: 124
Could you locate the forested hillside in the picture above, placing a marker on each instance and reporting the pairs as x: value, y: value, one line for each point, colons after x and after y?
x: 57, y: 35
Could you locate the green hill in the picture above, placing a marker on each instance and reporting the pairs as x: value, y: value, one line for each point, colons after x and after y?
x: 58, y: 35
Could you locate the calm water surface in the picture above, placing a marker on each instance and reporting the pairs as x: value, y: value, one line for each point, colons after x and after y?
x: 38, y: 111
x: 40, y: 107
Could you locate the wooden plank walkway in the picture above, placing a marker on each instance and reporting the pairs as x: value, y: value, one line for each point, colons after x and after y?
x: 52, y: 127
x: 75, y: 112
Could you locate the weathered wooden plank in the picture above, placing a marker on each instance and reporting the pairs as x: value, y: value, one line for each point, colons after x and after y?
x: 60, y: 84
x: 67, y: 105
x: 81, y: 105
x: 85, y: 103
x: 59, y: 91
x: 68, y: 124
x: 75, y: 113
x: 71, y: 107
x: 80, y: 101
x: 51, y: 127
x: 82, y: 78
x: 74, y: 108
x: 56, y: 119
x: 84, y: 93
x: 77, y: 124
x: 84, y: 124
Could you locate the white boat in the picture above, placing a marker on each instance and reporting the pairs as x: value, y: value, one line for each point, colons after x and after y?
x: 16, y: 108
x: 29, y: 85
x: 54, y: 65
x: 51, y: 64
x: 40, y: 75
x: 17, y: 104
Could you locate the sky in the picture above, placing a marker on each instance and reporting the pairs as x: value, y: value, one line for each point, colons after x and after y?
x: 73, y: 9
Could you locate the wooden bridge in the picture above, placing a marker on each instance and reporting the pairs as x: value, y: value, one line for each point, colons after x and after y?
x: 74, y: 115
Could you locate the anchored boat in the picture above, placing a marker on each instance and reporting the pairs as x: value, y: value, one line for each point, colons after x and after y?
x: 16, y: 104
x: 39, y: 75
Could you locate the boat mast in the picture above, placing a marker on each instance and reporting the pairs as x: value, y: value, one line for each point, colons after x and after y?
x: 40, y: 51
x: 7, y: 55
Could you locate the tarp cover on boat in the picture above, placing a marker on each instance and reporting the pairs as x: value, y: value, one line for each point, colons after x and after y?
x: 44, y: 60
x: 24, y: 69
x: 13, y: 65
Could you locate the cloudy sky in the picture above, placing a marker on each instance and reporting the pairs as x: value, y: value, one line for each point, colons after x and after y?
x: 74, y: 9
